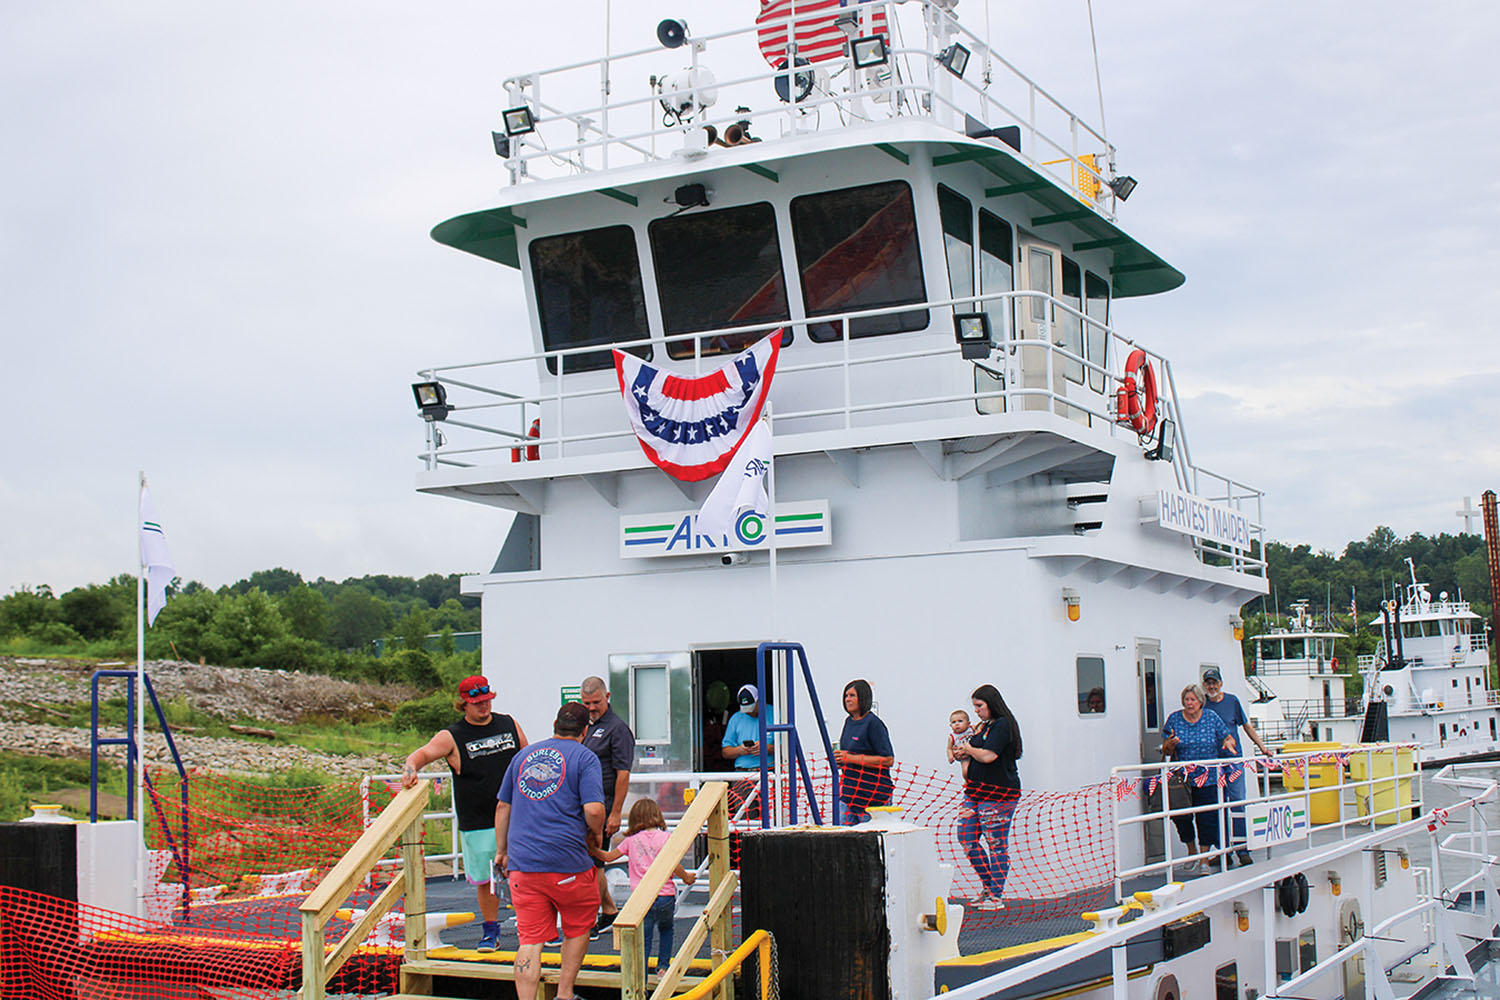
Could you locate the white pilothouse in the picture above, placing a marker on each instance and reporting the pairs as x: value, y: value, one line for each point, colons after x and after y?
x: 977, y: 477
x: 1296, y: 687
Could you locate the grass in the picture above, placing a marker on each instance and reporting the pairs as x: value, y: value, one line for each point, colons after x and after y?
x: 25, y: 779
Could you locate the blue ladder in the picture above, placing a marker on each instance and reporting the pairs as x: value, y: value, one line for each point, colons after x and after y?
x: 133, y: 759
x: 788, y: 725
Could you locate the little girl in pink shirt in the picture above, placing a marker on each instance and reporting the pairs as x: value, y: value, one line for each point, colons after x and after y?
x: 648, y: 834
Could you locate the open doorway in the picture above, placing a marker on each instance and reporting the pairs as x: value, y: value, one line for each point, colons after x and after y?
x: 718, y: 675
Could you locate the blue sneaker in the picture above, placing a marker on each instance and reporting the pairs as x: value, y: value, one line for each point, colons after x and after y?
x: 489, y: 940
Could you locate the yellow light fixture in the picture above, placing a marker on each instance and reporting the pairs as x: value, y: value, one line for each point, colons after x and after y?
x: 1238, y: 624
x: 1242, y: 916
x: 1074, y: 603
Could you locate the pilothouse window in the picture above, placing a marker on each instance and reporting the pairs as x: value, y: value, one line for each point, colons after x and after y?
x: 588, y: 291
x: 718, y: 269
x: 857, y: 249
x: 1071, y: 325
x: 958, y: 242
x: 1096, y: 307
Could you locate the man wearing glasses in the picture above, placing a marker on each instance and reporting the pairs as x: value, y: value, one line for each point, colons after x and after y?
x: 478, y: 749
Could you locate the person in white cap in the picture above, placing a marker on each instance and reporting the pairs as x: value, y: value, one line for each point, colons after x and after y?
x: 742, y: 735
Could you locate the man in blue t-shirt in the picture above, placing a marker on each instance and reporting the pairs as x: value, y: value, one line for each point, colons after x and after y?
x: 550, y: 812
x: 1228, y: 708
x: 742, y: 735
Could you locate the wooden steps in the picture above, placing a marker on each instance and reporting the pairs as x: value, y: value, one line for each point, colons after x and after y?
x: 601, y: 971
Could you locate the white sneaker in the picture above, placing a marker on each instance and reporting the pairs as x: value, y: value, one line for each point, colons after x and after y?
x: 1187, y: 869
x: 989, y: 903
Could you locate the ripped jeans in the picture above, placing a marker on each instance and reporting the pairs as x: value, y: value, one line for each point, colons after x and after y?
x: 980, y: 821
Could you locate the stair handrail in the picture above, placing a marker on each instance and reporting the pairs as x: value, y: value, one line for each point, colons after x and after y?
x: 788, y: 725
x: 135, y: 756
x: 401, y: 818
x: 710, y: 807
x: 761, y: 942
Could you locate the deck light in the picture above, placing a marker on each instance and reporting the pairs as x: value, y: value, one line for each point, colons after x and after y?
x: 793, y: 87
x: 972, y: 331
x: 1074, y: 602
x: 954, y: 59
x: 432, y: 400
x: 690, y: 196
x: 867, y: 52
x: 1242, y: 916
x: 1122, y: 186
x: 672, y: 33
x: 502, y: 144
x: 519, y: 121
x: 1238, y: 624
x: 1163, y: 450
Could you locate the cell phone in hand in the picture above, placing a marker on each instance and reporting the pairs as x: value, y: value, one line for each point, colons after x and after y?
x: 748, y: 743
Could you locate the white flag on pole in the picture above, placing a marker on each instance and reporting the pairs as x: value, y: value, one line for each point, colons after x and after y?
x: 155, y: 558
x: 742, y: 486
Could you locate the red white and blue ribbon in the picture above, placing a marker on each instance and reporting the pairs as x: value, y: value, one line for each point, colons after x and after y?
x: 690, y: 427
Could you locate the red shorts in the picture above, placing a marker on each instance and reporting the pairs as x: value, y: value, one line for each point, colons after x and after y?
x: 540, y: 898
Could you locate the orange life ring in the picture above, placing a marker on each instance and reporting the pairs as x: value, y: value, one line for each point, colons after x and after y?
x: 1135, y: 403
x: 533, y: 451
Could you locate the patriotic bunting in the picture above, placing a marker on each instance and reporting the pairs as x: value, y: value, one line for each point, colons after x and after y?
x: 690, y: 427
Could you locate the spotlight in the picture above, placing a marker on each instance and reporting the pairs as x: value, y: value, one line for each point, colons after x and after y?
x: 519, y: 121
x: 955, y: 59
x: 800, y: 79
x: 502, y: 144
x: 972, y: 331
x: 672, y: 33
x: 868, y: 52
x: 1163, y: 450
x: 1122, y: 187
x: 432, y: 400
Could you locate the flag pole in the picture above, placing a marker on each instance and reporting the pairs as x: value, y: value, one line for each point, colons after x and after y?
x: 140, y: 706
x: 778, y: 683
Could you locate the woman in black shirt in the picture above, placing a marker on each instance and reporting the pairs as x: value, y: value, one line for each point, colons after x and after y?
x: 992, y: 788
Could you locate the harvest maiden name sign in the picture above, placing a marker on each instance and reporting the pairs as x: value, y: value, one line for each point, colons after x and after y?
x: 798, y: 525
x: 1190, y: 515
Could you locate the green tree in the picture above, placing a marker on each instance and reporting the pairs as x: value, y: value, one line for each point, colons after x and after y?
x: 356, y: 618
x: 305, y: 611
x: 242, y: 626
x: 183, y: 625
x: 270, y: 581
x: 26, y: 610
x: 413, y: 629
x: 100, y: 611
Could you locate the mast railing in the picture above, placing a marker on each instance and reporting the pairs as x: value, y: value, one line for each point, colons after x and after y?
x: 599, y: 114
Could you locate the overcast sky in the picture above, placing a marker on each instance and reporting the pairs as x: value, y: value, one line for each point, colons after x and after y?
x: 213, y: 242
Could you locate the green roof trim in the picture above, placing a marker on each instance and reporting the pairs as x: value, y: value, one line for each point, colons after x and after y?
x: 766, y: 172
x: 619, y: 195
x: 1135, y: 269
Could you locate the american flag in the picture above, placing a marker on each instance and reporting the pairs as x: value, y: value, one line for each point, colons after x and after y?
x: 818, y: 37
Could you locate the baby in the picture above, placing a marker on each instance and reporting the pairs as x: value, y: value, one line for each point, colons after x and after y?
x: 961, y: 732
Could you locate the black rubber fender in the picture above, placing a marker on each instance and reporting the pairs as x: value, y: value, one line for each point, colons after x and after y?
x: 1303, y: 890
x: 1286, y: 896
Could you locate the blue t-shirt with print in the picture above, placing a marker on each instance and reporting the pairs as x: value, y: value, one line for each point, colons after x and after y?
x: 547, y: 785
x: 1232, y: 712
x: 1201, y: 740
x: 744, y: 726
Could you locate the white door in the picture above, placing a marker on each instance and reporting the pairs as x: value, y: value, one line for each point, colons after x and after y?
x: 1036, y: 320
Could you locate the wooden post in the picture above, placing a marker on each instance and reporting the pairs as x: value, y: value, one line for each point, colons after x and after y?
x: 632, y: 963
x: 721, y: 934
x: 313, y: 979
x: 413, y: 864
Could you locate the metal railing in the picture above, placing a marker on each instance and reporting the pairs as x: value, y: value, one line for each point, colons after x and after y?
x: 441, y: 784
x: 601, y: 114
x: 1463, y: 863
x: 492, y: 421
x: 1366, y: 802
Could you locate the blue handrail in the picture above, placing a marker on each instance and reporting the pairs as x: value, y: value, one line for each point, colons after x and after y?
x: 788, y: 725
x: 134, y: 757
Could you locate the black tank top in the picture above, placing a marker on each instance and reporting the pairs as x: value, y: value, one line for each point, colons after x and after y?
x: 484, y: 752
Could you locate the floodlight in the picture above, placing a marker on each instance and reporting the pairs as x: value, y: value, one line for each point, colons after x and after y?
x: 972, y: 331
x: 1163, y: 450
x: 432, y: 400
x: 869, y: 51
x: 502, y: 144
x: 519, y: 121
x: 691, y: 196
x: 955, y: 59
x: 672, y: 33
x: 1122, y: 186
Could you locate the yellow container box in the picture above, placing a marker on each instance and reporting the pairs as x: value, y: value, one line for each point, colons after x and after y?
x: 1322, y: 771
x: 1390, y: 800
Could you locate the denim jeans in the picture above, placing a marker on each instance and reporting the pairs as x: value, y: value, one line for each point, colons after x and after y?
x: 659, y: 918
x: 979, y: 821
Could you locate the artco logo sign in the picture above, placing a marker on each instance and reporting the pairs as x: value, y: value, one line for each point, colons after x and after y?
x: 798, y: 525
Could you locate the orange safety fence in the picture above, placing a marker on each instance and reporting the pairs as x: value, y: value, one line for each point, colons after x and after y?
x: 1054, y: 852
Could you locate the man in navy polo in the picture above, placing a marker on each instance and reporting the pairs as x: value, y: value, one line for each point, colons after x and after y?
x: 611, y: 739
x: 1228, y: 708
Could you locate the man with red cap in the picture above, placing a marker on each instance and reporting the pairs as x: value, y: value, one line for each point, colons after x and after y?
x: 478, y: 748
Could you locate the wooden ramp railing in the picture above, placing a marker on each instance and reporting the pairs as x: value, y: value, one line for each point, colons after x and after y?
x: 402, y: 818
x: 710, y: 807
